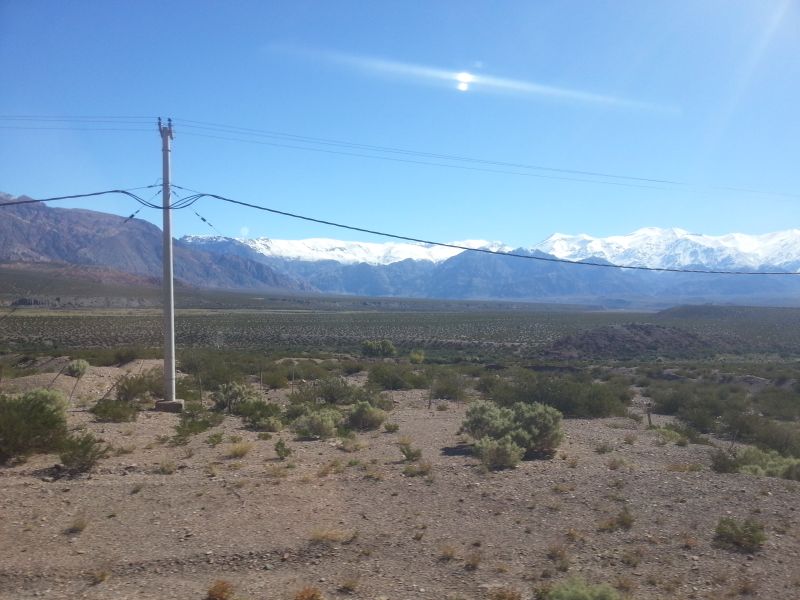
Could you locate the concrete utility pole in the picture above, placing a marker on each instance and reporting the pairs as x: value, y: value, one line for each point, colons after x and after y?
x: 170, y: 403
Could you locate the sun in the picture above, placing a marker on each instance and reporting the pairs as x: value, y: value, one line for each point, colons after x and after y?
x: 464, y: 79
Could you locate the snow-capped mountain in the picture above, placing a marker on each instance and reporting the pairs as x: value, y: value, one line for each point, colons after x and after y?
x: 350, y: 253
x: 384, y: 269
x: 650, y: 247
x: 677, y: 248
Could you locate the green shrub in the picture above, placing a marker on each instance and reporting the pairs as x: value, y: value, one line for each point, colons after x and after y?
x: 378, y: 348
x: 229, y: 395
x: 319, y: 424
x: 572, y: 396
x: 334, y: 391
x: 498, y: 454
x: 386, y: 376
x: 577, y: 589
x: 416, y: 357
x: 33, y: 422
x: 108, y: 410
x: 756, y: 462
x: 282, y: 450
x: 410, y: 454
x: 535, y: 428
x: 747, y: 536
x: 724, y: 462
x: 351, y: 367
x: 76, y: 368
x: 448, y: 386
x: 80, y: 452
x: 391, y: 427
x: 259, y: 415
x: 143, y: 387
x: 195, y: 419
x: 365, y: 417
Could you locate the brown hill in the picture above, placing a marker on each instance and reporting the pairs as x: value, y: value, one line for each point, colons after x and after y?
x: 37, y: 233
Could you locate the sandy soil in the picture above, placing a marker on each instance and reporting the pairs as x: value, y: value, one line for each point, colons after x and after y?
x: 165, y: 522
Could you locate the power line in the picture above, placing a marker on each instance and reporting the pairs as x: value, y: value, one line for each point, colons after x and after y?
x: 423, y: 162
x: 221, y: 128
x: 370, y: 151
x: 389, y: 149
x: 480, y: 250
x: 128, y: 192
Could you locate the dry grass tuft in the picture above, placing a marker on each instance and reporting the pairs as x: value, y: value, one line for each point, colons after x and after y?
x: 78, y: 524
x: 504, y: 593
x: 333, y: 536
x: 447, y: 553
x: 472, y: 561
x: 348, y: 585
x: 309, y: 593
x: 239, y: 450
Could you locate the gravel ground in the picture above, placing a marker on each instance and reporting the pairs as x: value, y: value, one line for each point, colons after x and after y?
x: 159, y: 521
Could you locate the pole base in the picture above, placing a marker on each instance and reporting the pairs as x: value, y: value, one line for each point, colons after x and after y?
x: 172, y: 406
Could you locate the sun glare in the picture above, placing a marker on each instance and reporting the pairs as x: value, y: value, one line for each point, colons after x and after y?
x: 464, y: 79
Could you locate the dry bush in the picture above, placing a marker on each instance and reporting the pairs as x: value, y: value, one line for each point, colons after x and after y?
x: 447, y: 553
x: 418, y: 470
x: 623, y: 520
x: 558, y: 554
x: 334, y: 466
x: 504, y: 593
x: 220, y: 590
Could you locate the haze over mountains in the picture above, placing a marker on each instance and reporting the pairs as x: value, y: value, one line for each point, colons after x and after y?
x: 42, y: 234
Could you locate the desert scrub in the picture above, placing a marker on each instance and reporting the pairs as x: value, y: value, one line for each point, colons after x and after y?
x: 282, y: 450
x: 82, y: 451
x: 110, y: 410
x: 448, y: 385
x: 378, y: 348
x: 195, y: 419
x: 140, y: 388
x: 535, y: 428
x: 754, y: 461
x: 259, y: 415
x: 419, y: 469
x: 330, y: 390
x: 320, y: 424
x: 33, y: 422
x: 577, y: 589
x: 500, y: 454
x: 365, y: 417
x: 623, y: 520
x: 391, y: 427
x: 76, y: 368
x: 229, y: 395
x: 746, y: 536
x: 410, y: 454
x: 386, y: 376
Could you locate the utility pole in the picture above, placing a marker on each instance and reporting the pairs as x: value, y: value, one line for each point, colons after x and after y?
x: 169, y: 403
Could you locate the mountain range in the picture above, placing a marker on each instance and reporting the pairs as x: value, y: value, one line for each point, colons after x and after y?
x: 37, y: 233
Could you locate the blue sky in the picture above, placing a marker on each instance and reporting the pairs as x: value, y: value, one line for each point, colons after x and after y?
x: 700, y: 92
